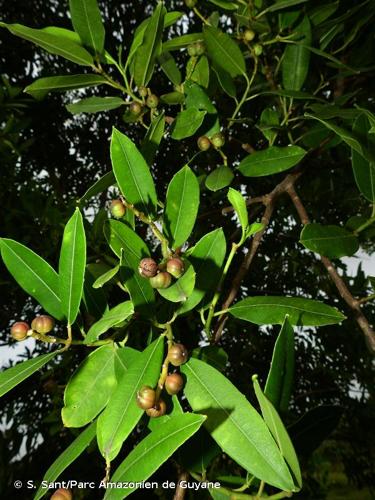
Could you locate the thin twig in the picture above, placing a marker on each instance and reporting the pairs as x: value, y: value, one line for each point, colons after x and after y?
x: 180, y: 491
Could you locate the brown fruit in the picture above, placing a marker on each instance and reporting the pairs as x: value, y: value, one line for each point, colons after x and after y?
x: 158, y: 410
x: 152, y: 101
x: 118, y: 209
x: 19, y: 330
x: 135, y: 108
x: 161, y: 280
x: 175, y: 267
x: 146, y: 397
x: 177, y: 354
x: 62, y: 494
x: 43, y: 324
x: 204, y: 143
x: 148, y: 267
x: 218, y: 140
x: 174, y: 383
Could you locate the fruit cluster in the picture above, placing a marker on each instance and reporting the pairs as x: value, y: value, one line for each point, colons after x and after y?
x: 147, y: 397
x: 160, y: 276
x: 41, y: 324
x: 196, y: 49
x: 217, y: 141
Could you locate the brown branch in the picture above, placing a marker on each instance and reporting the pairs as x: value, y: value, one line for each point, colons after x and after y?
x: 180, y: 492
x: 336, y: 278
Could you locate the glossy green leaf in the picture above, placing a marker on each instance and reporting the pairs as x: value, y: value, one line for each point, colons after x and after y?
x: 213, y: 355
x: 181, y: 206
x: 239, y: 204
x: 128, y: 246
x: 94, y: 299
x: 181, y: 289
x: 150, y: 48
x: 198, y: 70
x: 296, y: 58
x: 278, y: 431
x: 170, y: 68
x: 187, y: 123
x: 95, y: 105
x: 270, y: 161
x: 207, y: 257
x: 122, y: 413
x: 172, y: 98
x: 153, y: 138
x: 225, y: 4
x: 197, y: 98
x: 102, y: 184
x: 124, y: 357
x: 174, y: 409
x: 270, y: 310
x: 54, y: 44
x: 87, y: 22
x: 152, y: 452
x: 103, y: 279
x: 13, y: 376
x: 182, y: 41
x: 224, y: 51
x: 283, y: 4
x: 71, y: 453
x: 331, y: 241
x: 33, y: 274
x: 269, y: 122
x: 72, y: 265
x: 279, y: 382
x: 219, y: 178
x: 111, y: 318
x: 41, y: 87
x: 364, y: 169
x: 226, y: 81
x: 132, y: 173
x: 89, y: 388
x: 234, y: 424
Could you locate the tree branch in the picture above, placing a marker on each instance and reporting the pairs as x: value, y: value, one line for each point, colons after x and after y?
x: 180, y: 492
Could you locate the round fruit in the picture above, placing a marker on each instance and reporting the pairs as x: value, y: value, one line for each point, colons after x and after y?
x: 161, y: 280
x: 147, y: 267
x: 258, y: 49
x: 143, y: 91
x: 218, y: 140
x: 19, y: 330
x: 135, y: 108
x: 118, y: 209
x: 177, y: 354
x: 62, y: 494
x: 190, y: 3
x: 200, y: 48
x: 175, y: 267
x: 192, y: 50
x: 152, y: 101
x: 249, y: 35
x: 174, y: 383
x: 204, y: 143
x: 146, y: 397
x: 43, y: 324
x: 158, y: 410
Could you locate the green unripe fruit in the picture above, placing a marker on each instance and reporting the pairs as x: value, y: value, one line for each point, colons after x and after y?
x: 146, y: 397
x: 161, y: 280
x: 175, y: 267
x: 148, y: 267
x: 19, y: 330
x: 204, y: 143
x: 249, y: 35
x: 177, y: 354
x: 62, y: 494
x: 190, y: 3
x: 135, y: 108
x: 174, y: 383
x: 192, y: 50
x: 258, y: 49
x: 143, y: 92
x: 218, y: 140
x: 117, y: 208
x: 43, y: 324
x: 158, y: 410
x: 152, y: 101
x: 200, y: 48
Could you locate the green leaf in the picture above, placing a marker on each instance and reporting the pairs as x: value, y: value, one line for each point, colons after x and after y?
x: 234, y: 424
x: 106, y: 277
x: 182, y: 288
x: 62, y: 462
x: 122, y: 413
x: 282, y: 4
x: 95, y: 105
x: 224, y: 51
x: 270, y: 161
x: 172, y: 98
x: 213, y: 355
x: 13, y: 376
x: 87, y: 22
x: 333, y: 242
x: 187, y: 123
x: 219, y: 178
x: 207, y: 257
x: 181, y: 207
x: 226, y: 81
x: 170, y: 68
x: 174, y: 409
x: 199, y: 70
x: 152, y: 138
x: 278, y: 431
x: 239, y: 204
x: 72, y: 266
x: 363, y: 169
x: 319, y: 14
x: 224, y: 4
x: 89, y: 388
x: 150, y: 48
x: 130, y: 248
x: 281, y: 373
x: 182, y: 41
x: 296, y: 58
x: 152, y: 452
x: 269, y: 122
x: 102, y: 184
x: 272, y: 310
x: 124, y: 357
x: 54, y: 44
x: 33, y: 274
x: 94, y: 300
x: 41, y: 87
x: 132, y: 173
x: 110, y: 318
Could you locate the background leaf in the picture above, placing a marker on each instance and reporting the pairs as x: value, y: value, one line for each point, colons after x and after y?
x: 296, y: 58
x: 332, y: 241
x: 152, y: 138
x: 239, y: 204
x: 364, y: 169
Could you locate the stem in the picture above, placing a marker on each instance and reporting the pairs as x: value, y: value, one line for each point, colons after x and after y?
x: 261, y: 488
x: 368, y: 223
x: 201, y: 17
x: 366, y: 299
x: 244, y: 97
x: 68, y: 342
